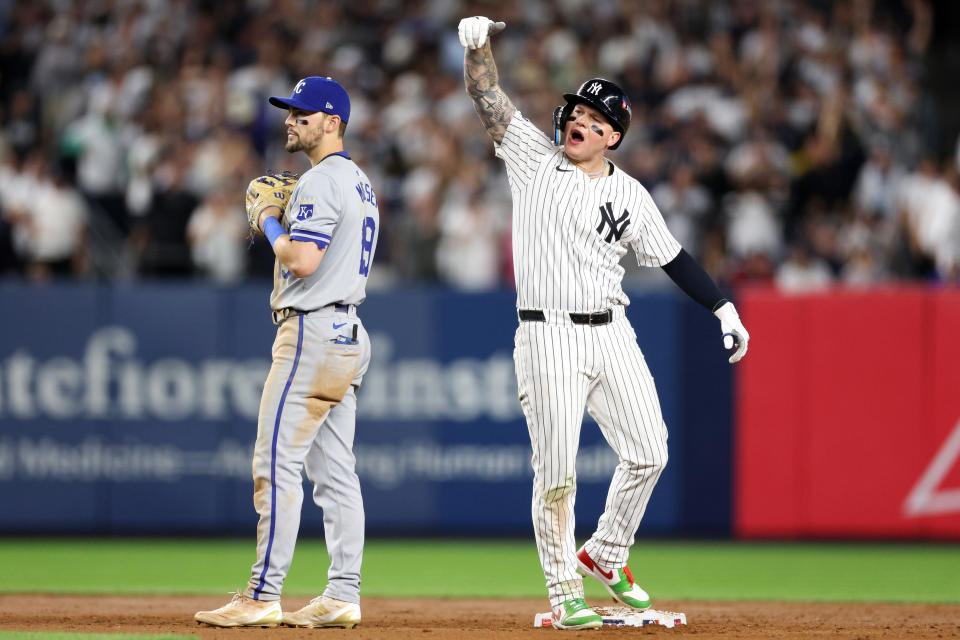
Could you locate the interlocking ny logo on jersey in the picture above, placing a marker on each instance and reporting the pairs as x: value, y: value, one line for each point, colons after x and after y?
x: 607, y: 220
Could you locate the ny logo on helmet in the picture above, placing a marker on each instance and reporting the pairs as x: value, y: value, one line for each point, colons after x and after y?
x: 595, y: 88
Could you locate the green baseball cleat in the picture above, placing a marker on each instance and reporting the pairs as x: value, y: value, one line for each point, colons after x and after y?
x: 575, y: 614
x: 619, y: 583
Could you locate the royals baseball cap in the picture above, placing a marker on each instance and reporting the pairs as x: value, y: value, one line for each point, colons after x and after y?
x: 316, y: 93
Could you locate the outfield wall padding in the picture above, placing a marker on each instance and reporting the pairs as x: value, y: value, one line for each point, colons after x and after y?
x: 131, y: 408
x: 848, y: 415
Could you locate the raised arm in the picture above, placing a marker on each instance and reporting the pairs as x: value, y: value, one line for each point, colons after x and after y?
x: 480, y: 75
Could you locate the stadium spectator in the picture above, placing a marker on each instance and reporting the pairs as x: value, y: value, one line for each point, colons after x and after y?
x: 47, y: 219
x: 685, y: 205
x: 96, y: 141
x: 217, y: 232
x: 757, y: 125
x: 471, y: 237
x: 802, y: 272
x: 159, y: 240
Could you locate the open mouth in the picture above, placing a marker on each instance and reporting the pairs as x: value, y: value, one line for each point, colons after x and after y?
x: 576, y: 135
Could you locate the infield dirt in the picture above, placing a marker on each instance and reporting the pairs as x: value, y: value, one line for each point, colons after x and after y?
x: 486, y: 618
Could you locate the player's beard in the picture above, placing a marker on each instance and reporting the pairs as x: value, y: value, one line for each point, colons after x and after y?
x: 295, y: 145
x: 298, y: 144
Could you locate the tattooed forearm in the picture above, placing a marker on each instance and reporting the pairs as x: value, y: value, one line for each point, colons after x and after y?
x: 483, y: 86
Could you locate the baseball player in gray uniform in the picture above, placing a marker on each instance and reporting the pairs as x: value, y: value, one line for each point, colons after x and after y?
x: 574, y: 216
x: 324, y: 242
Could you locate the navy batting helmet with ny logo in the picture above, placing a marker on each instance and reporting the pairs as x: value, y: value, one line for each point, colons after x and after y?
x: 602, y: 95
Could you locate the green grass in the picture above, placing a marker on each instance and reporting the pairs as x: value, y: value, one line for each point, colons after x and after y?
x: 481, y: 568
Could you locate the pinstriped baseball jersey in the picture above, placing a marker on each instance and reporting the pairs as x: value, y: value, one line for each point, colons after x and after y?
x: 570, y: 231
x: 334, y: 206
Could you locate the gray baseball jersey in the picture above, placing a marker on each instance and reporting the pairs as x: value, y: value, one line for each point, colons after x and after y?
x: 307, y: 415
x: 569, y: 233
x: 333, y: 200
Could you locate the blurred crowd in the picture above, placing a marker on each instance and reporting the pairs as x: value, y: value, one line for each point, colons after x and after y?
x: 789, y: 142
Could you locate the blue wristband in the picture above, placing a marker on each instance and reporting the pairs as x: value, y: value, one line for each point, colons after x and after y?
x: 273, y: 229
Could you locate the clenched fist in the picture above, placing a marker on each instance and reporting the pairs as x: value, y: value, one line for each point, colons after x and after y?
x: 735, y: 336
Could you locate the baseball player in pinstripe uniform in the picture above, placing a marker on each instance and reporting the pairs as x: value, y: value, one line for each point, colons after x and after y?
x: 574, y: 216
x: 324, y: 241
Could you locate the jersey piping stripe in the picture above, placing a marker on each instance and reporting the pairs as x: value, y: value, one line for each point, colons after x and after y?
x: 320, y: 243
x: 273, y: 461
x: 313, y: 234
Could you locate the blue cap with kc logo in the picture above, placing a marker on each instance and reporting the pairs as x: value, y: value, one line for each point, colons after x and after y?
x: 316, y: 93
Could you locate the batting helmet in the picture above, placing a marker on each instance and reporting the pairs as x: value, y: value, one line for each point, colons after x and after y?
x: 605, y: 97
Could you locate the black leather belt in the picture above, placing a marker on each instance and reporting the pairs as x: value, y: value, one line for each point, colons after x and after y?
x: 531, y: 315
x: 592, y: 319
x: 600, y: 317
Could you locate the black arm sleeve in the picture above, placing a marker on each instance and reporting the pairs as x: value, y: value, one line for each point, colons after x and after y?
x: 695, y: 282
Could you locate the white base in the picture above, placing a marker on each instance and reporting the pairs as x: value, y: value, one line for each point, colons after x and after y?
x: 624, y: 617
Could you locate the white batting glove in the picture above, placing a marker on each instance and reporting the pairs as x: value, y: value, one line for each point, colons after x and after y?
x: 734, y: 333
x: 473, y: 31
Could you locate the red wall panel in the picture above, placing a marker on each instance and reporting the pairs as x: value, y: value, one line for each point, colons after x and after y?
x: 770, y: 416
x: 944, y: 517
x: 843, y: 404
x: 865, y: 395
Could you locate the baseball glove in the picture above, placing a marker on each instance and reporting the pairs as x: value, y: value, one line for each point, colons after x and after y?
x: 271, y: 190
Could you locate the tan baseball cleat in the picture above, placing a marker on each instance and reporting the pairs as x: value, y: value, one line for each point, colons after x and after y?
x: 242, y: 611
x: 324, y: 612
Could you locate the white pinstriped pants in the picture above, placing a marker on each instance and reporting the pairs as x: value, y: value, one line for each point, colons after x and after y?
x: 562, y: 368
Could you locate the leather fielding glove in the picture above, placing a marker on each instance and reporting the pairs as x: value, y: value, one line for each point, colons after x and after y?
x: 734, y: 333
x: 474, y: 31
x: 271, y: 190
